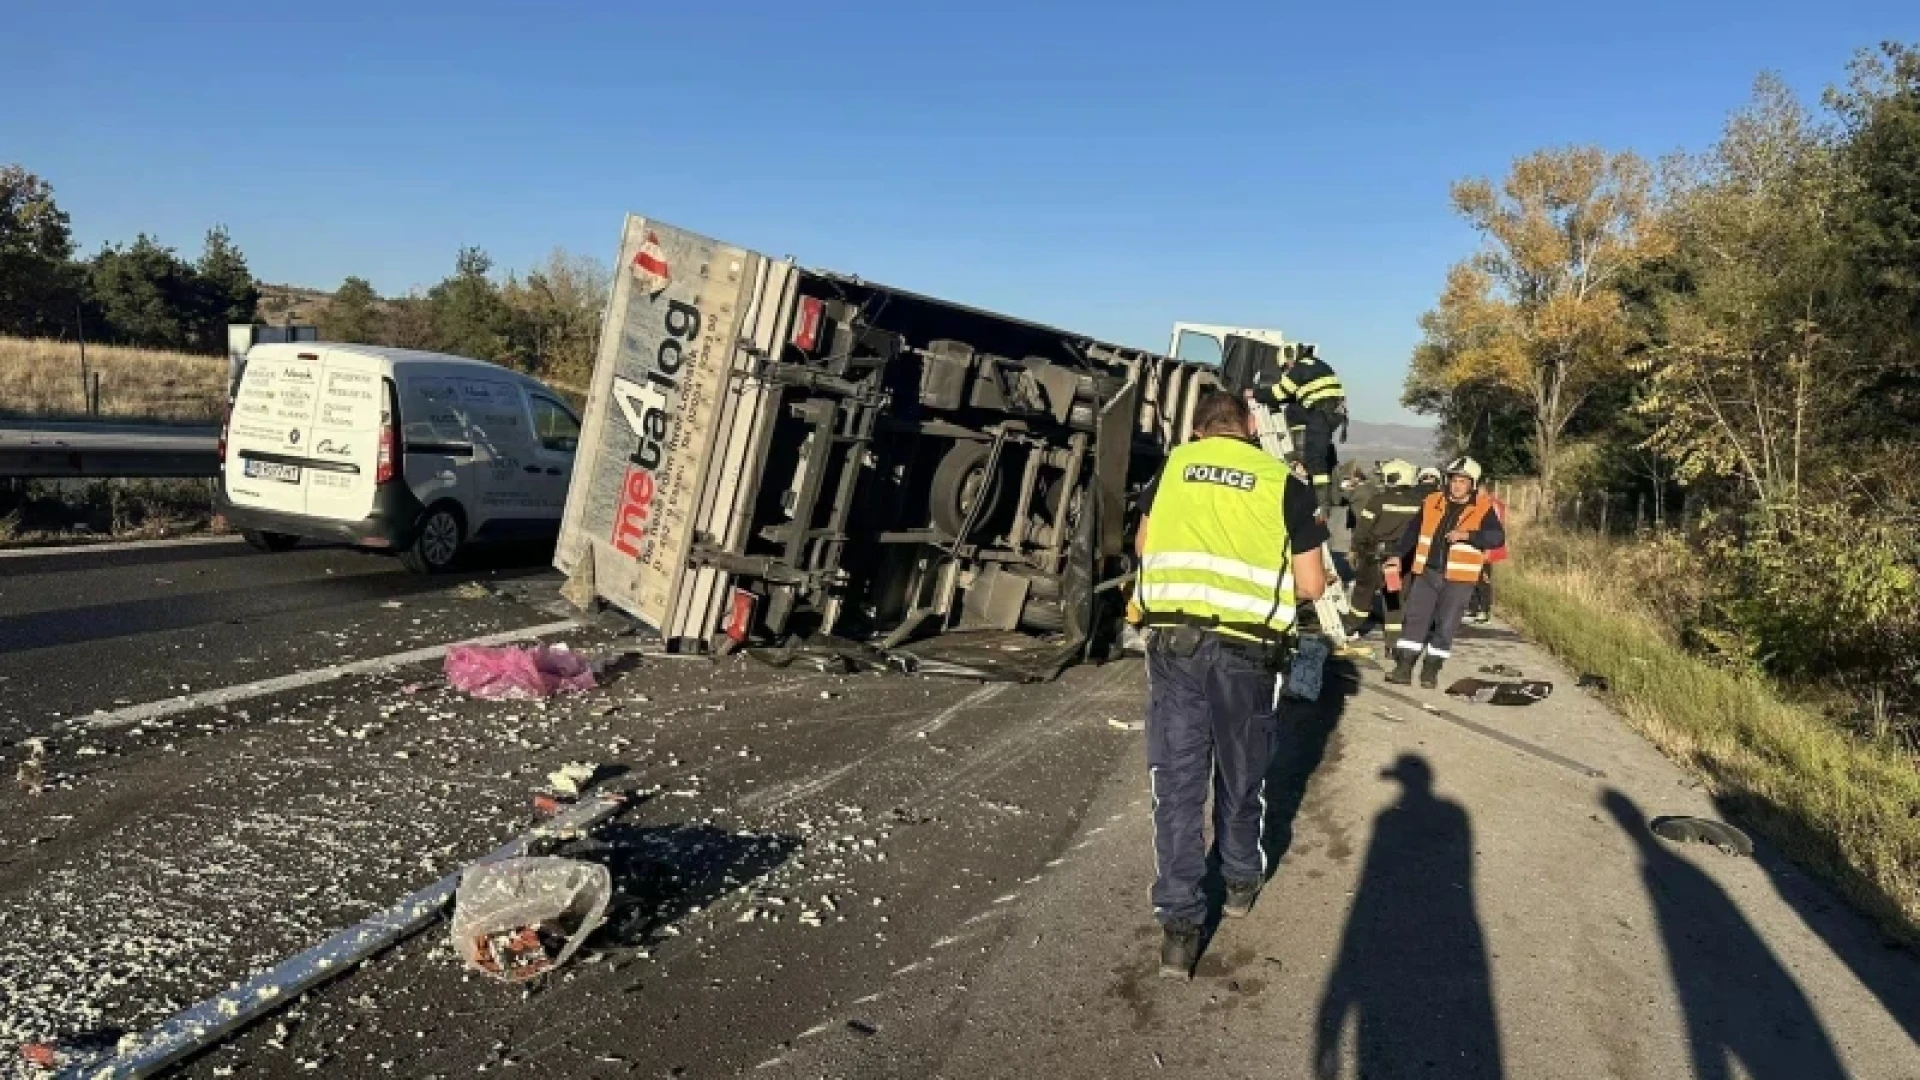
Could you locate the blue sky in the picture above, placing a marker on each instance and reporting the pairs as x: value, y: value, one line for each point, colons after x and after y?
x: 1105, y: 167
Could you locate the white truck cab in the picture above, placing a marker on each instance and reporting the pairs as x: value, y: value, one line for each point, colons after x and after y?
x: 416, y: 453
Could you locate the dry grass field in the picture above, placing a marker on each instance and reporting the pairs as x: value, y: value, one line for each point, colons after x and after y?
x: 40, y: 379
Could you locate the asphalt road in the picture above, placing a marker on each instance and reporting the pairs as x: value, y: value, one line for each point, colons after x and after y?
x: 866, y: 876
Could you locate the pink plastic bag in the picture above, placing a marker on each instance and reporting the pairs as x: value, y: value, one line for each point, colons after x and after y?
x: 498, y: 672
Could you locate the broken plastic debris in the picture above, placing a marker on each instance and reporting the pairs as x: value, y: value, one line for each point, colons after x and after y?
x: 499, y: 672
x: 517, y: 919
x: 572, y: 778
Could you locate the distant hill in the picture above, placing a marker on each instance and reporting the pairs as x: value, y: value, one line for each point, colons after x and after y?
x: 1368, y: 443
x: 281, y: 304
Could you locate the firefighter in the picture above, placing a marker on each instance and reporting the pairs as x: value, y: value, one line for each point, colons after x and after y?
x: 1229, y: 546
x: 1315, y: 405
x: 1376, y: 540
x: 1443, y: 550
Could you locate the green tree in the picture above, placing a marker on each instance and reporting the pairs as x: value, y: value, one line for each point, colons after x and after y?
x: 1756, y: 364
x: 1537, y: 312
x: 229, y: 294
x: 1879, y: 114
x: 147, y: 295
x: 354, y: 315
x: 466, y: 312
x: 37, y: 287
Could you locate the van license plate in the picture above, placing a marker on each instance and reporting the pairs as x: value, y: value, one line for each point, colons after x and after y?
x: 271, y: 470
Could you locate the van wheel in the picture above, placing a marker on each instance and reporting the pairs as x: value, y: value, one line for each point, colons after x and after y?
x: 438, y: 543
x: 959, y: 481
x: 269, y: 541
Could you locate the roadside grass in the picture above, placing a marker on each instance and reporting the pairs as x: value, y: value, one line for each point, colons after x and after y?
x: 1845, y: 808
x: 40, y: 380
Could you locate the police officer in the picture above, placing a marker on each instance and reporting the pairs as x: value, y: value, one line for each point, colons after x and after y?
x: 1443, y: 550
x: 1376, y: 539
x: 1315, y: 405
x: 1229, y: 546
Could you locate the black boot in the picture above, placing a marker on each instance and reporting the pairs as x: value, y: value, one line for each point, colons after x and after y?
x: 1179, y: 950
x: 1240, y: 896
x: 1430, y: 672
x: 1402, y: 672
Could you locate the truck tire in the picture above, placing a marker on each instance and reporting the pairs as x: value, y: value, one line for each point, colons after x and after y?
x: 442, y: 533
x: 268, y: 541
x: 959, y: 480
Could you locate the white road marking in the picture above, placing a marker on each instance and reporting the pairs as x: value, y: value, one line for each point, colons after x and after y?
x: 379, y: 665
x: 114, y: 548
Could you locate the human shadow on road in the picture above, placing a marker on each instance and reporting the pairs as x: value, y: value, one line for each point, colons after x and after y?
x: 1306, y: 730
x: 1740, y: 1003
x: 1413, y: 967
x: 1883, y: 966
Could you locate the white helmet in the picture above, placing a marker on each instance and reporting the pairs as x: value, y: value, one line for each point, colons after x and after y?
x: 1464, y: 466
x: 1397, y: 473
x: 1428, y: 475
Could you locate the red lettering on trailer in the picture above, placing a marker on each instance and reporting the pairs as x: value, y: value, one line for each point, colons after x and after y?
x: 636, y: 506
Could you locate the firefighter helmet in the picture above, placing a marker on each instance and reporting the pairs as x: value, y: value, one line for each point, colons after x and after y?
x: 1397, y: 473
x: 1464, y: 466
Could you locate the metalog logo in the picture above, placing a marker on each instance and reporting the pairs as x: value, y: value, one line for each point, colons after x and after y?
x: 293, y: 437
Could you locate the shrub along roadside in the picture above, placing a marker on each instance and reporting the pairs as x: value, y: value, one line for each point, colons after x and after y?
x: 1843, y: 808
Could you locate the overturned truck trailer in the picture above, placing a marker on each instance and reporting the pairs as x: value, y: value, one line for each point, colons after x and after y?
x: 775, y: 455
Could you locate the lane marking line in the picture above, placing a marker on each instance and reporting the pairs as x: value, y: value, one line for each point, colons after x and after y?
x: 1495, y: 734
x: 379, y: 665
x: 111, y: 548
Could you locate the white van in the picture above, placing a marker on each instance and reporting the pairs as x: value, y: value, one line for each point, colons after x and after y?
x: 413, y: 452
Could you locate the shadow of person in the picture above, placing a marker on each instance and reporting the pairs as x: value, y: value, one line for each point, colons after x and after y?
x: 1300, y: 746
x: 1740, y: 1003
x: 1412, y: 967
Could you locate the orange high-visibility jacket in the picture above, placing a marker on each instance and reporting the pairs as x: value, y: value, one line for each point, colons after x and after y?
x: 1463, y: 560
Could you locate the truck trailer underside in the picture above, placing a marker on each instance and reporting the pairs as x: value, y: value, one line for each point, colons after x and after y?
x: 774, y: 455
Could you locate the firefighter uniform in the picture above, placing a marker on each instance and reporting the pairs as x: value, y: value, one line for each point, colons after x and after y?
x: 1376, y: 537
x: 1441, y: 575
x: 1216, y: 586
x: 1315, y: 405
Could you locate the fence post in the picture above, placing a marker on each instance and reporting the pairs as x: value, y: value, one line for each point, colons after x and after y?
x: 1640, y: 513
x: 1606, y: 500
x: 1578, y: 498
x: 93, y: 400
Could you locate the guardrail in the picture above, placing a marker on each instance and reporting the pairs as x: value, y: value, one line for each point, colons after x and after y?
x: 31, y: 449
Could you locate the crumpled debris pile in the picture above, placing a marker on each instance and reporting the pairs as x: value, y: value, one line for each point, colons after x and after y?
x: 509, y: 672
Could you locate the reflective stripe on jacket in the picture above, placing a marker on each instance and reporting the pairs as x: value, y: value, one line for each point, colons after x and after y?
x: 1217, y: 553
x: 1309, y: 383
x: 1463, y: 560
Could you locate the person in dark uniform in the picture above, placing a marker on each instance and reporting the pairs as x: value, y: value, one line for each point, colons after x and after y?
x: 1443, y: 550
x: 1229, y: 547
x: 1315, y: 405
x: 1376, y: 541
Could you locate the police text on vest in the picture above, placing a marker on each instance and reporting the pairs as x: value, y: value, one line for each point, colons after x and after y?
x: 1215, y: 474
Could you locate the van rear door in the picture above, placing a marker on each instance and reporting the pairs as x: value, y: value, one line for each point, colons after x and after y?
x: 304, y: 434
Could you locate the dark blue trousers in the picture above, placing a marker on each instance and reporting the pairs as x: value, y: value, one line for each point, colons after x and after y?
x: 1210, y: 723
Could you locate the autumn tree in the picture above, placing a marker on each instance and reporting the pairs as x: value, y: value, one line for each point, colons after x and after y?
x: 1536, y: 311
x: 556, y: 309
